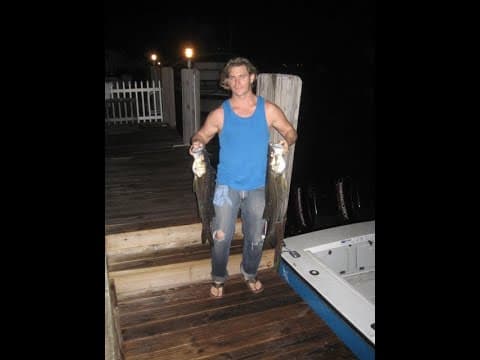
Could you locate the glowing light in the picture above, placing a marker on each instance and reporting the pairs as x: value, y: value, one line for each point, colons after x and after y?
x: 189, y: 53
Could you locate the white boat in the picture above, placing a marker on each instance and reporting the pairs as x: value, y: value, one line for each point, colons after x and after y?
x: 334, y: 271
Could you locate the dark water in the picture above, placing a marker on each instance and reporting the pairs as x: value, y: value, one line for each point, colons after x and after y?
x: 336, y: 142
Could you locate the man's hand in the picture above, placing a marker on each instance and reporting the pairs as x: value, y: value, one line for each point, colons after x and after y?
x: 284, y: 143
x: 196, y: 146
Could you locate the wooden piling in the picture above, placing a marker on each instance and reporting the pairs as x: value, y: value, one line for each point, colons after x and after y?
x: 168, y: 97
x: 283, y: 90
x: 190, y: 103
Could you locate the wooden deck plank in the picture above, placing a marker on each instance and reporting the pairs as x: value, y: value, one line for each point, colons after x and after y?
x: 148, y: 179
x: 169, y: 339
x: 246, y: 343
x: 272, y: 338
x: 320, y: 346
x: 168, y: 256
x: 202, y: 304
x: 187, y: 294
x: 184, y: 323
x: 214, y: 314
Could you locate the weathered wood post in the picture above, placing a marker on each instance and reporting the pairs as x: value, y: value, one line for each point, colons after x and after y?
x: 155, y: 73
x: 112, y: 343
x: 190, y: 103
x: 155, y: 77
x: 168, y: 97
x: 283, y: 90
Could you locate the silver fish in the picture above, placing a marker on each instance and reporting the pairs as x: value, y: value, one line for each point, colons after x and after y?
x: 204, y: 188
x: 275, y: 192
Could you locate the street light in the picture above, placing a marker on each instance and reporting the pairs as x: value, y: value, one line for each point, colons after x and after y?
x: 154, y: 58
x: 154, y: 66
x: 189, y: 55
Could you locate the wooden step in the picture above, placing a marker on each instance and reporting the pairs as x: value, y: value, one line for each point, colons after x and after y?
x: 119, y: 247
x: 166, y: 256
x: 145, y: 280
x: 149, y: 260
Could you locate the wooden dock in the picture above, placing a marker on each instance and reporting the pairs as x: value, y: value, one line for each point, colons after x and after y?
x: 158, y: 270
x: 184, y: 323
x: 148, y: 179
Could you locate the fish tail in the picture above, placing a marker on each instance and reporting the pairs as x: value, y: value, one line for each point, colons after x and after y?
x: 205, y: 233
x: 270, y: 238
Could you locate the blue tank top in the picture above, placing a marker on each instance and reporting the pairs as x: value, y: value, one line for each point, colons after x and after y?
x: 243, y: 148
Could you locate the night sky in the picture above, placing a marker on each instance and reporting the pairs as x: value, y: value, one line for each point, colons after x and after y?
x: 328, y: 33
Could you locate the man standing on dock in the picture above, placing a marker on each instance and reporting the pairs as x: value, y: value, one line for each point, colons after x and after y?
x: 242, y: 123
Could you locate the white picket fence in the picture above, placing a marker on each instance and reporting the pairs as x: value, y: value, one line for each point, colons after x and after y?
x: 133, y: 102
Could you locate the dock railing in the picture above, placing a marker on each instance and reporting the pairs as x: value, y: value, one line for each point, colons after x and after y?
x: 137, y: 102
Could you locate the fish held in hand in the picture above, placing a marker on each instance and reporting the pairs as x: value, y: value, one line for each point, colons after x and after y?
x: 278, y: 163
x: 204, y: 188
x: 199, y: 166
x: 275, y: 191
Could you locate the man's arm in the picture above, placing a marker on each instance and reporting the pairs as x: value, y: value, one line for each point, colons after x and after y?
x: 212, y: 125
x: 277, y: 119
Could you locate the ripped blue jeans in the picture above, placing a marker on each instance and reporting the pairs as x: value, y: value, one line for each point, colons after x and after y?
x: 227, y: 203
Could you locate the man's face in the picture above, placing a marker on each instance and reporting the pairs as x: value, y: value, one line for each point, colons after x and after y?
x: 239, y: 79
